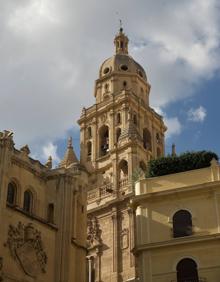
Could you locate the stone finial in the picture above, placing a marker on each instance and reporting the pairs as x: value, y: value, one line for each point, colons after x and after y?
x: 49, y: 163
x: 69, y: 157
x: 7, y: 134
x: 25, y: 149
x: 173, y: 150
x: 215, y: 170
x: 6, y: 139
x: 70, y: 143
x: 214, y: 162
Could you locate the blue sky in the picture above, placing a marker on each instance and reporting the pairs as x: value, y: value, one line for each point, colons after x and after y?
x: 51, y: 51
x: 202, y: 134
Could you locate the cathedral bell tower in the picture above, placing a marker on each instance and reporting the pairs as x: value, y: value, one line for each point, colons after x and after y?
x: 120, y: 133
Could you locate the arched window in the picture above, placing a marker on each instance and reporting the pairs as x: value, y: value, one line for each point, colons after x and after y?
x: 135, y: 119
x: 123, y: 176
x: 89, y: 132
x: 158, y: 139
x: 124, y: 84
x: 11, y: 194
x: 182, y: 224
x: 118, y: 133
x: 146, y: 139
x: 123, y: 167
x: 28, y: 201
x: 118, y: 118
x: 89, y: 149
x: 50, y: 213
x: 187, y: 271
x: 104, y: 140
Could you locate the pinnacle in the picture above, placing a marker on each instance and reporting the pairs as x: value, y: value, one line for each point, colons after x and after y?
x: 69, y: 157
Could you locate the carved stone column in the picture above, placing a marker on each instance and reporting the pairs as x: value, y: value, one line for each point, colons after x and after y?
x: 111, y: 130
x: 115, y: 241
x: 98, y: 264
x: 74, y: 217
x: 131, y: 234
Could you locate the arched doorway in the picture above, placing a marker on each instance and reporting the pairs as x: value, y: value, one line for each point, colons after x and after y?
x: 187, y: 271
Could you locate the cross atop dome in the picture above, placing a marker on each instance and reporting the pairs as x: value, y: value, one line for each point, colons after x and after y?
x: 121, y: 41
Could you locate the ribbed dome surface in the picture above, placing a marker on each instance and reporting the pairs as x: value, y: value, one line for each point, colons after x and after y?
x: 122, y: 63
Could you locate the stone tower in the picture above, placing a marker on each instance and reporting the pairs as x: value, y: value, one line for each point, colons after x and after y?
x: 119, y: 134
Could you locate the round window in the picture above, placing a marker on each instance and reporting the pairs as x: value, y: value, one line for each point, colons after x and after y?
x: 106, y: 70
x: 140, y: 73
x: 124, y: 67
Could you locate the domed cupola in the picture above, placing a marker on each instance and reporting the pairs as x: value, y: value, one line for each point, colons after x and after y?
x: 121, y: 43
x: 121, y: 62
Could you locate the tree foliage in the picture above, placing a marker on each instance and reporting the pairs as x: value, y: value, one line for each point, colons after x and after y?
x: 183, y: 162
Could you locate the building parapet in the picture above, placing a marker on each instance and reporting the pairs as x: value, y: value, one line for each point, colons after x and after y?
x: 178, y: 180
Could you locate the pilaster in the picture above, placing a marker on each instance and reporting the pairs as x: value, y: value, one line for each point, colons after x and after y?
x: 115, y: 240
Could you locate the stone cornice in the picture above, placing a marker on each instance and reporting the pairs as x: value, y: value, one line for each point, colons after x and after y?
x: 26, y: 165
x: 113, y: 202
x: 176, y: 242
x: 116, y: 100
x: 148, y: 197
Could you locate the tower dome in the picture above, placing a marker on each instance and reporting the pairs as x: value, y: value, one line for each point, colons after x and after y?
x: 121, y: 61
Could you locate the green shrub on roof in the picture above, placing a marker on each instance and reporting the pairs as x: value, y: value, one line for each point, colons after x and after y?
x: 183, y: 162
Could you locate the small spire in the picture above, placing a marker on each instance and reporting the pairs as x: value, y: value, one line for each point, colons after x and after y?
x: 120, y: 25
x: 49, y: 163
x: 70, y: 142
x: 173, y: 150
x: 69, y: 157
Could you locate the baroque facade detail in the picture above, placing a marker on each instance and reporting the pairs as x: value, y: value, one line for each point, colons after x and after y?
x: 93, y: 232
x: 26, y: 247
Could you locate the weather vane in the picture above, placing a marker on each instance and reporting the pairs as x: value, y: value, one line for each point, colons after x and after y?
x: 120, y: 22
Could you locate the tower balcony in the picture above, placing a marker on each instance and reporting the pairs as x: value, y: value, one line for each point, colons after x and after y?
x: 100, y: 193
x: 125, y: 186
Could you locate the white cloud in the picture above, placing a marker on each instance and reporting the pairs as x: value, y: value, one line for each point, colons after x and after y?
x: 197, y: 115
x: 174, y: 126
x: 51, y: 51
x: 50, y: 150
x: 32, y: 17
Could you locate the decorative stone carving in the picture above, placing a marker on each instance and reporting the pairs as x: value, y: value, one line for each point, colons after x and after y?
x: 26, y: 247
x: 94, y: 232
x: 124, y: 239
x: 6, y: 139
x: 25, y: 149
x: 103, y: 117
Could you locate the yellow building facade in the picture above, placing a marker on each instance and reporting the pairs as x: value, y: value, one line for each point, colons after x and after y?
x: 42, y: 215
x: 178, y: 226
